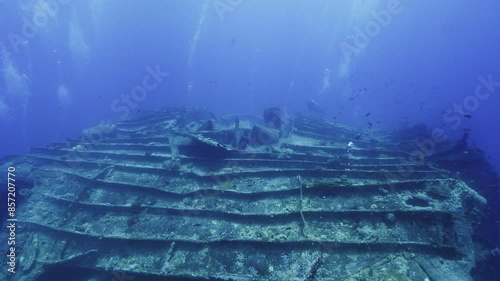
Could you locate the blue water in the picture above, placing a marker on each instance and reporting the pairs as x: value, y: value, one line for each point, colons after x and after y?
x: 73, y: 64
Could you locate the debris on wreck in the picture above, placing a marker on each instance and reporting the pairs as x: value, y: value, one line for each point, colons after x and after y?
x: 178, y: 194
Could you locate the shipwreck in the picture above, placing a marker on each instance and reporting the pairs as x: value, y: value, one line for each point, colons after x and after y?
x: 179, y: 194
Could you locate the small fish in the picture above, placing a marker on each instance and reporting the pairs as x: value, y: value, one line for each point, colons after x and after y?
x: 234, y: 40
x: 359, y: 137
x: 369, y: 124
x: 351, y: 98
x: 368, y: 114
x: 467, y: 115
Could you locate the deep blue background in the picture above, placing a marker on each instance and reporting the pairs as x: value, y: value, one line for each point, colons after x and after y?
x: 259, y: 53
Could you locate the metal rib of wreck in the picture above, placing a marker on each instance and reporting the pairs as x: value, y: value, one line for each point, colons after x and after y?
x: 180, y: 195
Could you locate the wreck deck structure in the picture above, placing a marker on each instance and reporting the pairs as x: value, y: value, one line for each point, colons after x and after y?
x: 182, y: 195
